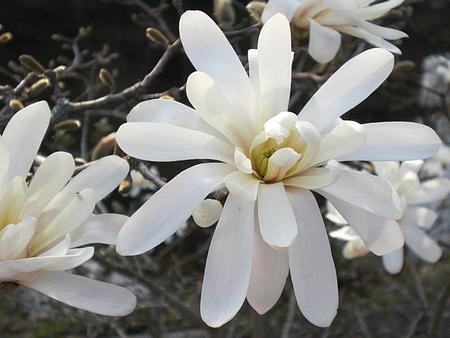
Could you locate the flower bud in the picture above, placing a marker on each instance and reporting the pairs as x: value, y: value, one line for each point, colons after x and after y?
x: 39, y: 86
x: 224, y: 13
x: 31, y: 63
x: 6, y: 37
x: 106, y: 78
x: 15, y: 105
x: 68, y: 125
x: 104, y: 147
x: 255, y: 9
x: 156, y: 36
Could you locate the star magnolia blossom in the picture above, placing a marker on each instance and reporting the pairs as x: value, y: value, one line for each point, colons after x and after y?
x: 269, y: 159
x: 44, y: 221
x: 416, y: 217
x: 326, y: 19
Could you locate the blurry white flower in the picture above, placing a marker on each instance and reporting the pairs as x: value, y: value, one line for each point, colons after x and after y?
x: 435, y: 80
x: 326, y: 19
x: 272, y: 160
x: 416, y: 218
x: 42, y: 223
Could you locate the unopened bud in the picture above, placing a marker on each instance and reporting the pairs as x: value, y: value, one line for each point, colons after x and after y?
x: 104, y: 147
x: 68, y: 125
x: 156, y: 36
x: 15, y: 104
x: 39, y: 86
x: 59, y: 69
x: 255, y: 9
x: 125, y: 186
x: 167, y: 97
x: 80, y: 161
x: 106, y: 78
x: 6, y: 37
x: 31, y: 63
x: 224, y: 13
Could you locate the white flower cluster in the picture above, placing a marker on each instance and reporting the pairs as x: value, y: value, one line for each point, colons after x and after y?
x: 270, y: 160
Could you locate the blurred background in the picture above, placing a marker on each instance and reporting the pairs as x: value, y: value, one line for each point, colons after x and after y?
x: 80, y: 50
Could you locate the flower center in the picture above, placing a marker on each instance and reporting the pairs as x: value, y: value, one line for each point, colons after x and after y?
x: 276, y: 152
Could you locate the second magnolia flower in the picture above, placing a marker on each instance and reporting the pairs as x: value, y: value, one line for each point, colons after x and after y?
x: 270, y: 160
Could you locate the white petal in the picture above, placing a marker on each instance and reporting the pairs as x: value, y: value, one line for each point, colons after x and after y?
x: 212, y: 105
x: 430, y: 191
x: 314, y: 178
x: 270, y: 268
x: 408, y: 166
x: 275, y: 64
x: 382, y: 32
x: 422, y: 217
x: 169, y: 208
x: 207, y: 213
x: 102, y: 229
x: 102, y: 176
x: 50, y: 178
x: 378, y: 10
x: 420, y: 243
x: 368, y: 192
x: 19, y: 269
x: 311, y: 263
x: 344, y: 138
x: 276, y: 217
x: 4, y: 164
x: 393, y: 262
x: 14, y: 238
x: 355, y: 248
x: 341, y: 5
x: 210, y: 52
x: 242, y: 162
x: 286, y: 7
x: 388, y: 169
x: 164, y: 142
x: 70, y: 218
x: 23, y: 136
x: 370, y: 38
x: 228, y: 266
x: 170, y: 112
x: 324, y: 42
x: 381, y: 235
x: 309, y: 142
x: 396, y: 141
x: 348, y: 87
x: 280, y: 163
x: 84, y: 293
x: 253, y: 71
x: 242, y: 185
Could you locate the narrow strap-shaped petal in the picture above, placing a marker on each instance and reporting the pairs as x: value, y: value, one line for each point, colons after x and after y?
x: 164, y: 142
x: 228, y: 266
x: 210, y: 52
x: 393, y: 262
x: 286, y: 7
x: 170, y: 112
x: 420, y: 243
x: 170, y: 207
x: 84, y: 293
x: 270, y: 268
x: 348, y: 87
x: 275, y: 66
x: 23, y: 136
x: 396, y: 141
x: 324, y: 42
x: 276, y: 217
x: 311, y: 263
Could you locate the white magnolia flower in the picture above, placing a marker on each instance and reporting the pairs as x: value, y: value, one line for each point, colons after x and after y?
x: 416, y: 218
x: 43, y: 222
x: 269, y: 159
x: 326, y: 19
